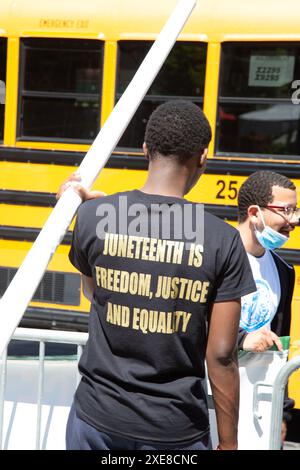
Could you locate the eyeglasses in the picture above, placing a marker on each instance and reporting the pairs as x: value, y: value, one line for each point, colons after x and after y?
x: 288, y: 211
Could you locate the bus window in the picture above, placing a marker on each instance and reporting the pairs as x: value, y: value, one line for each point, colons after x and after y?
x: 256, y: 114
x: 2, y: 84
x: 182, y: 75
x: 60, y: 89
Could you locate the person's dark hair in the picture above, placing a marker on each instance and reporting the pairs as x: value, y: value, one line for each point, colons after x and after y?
x: 178, y: 128
x: 257, y: 190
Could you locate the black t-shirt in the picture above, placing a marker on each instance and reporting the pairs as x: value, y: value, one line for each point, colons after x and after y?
x: 143, y: 365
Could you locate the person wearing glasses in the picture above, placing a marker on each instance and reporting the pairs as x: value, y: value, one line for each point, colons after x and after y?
x: 267, y: 214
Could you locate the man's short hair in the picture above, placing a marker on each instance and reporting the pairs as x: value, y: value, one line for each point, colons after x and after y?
x: 177, y: 128
x: 257, y: 190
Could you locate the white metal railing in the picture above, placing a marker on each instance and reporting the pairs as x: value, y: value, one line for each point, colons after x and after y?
x: 79, y: 339
x: 41, y: 336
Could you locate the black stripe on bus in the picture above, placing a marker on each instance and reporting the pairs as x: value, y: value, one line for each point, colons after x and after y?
x: 27, y: 198
x: 42, y: 199
x: 48, y: 200
x: 223, y: 212
x: 246, y: 168
x: 38, y: 317
x: 138, y: 162
x: 40, y: 156
x: 13, y: 154
x: 27, y: 234
x: 30, y: 234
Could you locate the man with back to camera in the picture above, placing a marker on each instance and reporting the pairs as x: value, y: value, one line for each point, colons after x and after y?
x: 143, y: 366
x: 267, y: 213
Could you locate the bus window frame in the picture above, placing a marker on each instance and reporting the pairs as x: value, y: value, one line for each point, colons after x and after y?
x: 23, y: 93
x: 249, y: 100
x: 137, y: 151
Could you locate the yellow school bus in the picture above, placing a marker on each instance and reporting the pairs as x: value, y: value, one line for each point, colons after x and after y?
x: 64, y: 65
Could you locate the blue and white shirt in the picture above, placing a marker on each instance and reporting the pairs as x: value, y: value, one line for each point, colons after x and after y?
x: 259, y: 308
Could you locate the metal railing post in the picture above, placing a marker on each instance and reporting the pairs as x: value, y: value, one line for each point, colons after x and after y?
x: 41, y: 374
x: 277, y: 401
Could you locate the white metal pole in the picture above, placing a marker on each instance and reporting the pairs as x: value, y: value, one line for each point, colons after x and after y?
x: 278, y: 399
x: 20, y: 291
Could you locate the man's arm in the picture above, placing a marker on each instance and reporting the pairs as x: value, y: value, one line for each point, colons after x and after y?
x: 221, y: 358
x: 88, y: 287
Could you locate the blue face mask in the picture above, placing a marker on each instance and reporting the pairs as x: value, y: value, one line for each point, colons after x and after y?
x: 269, y: 238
